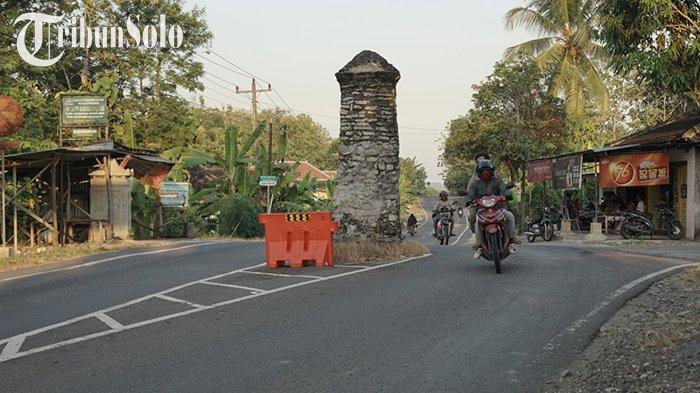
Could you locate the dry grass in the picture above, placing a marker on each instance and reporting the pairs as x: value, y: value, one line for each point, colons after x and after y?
x: 52, y: 254
x: 366, y: 251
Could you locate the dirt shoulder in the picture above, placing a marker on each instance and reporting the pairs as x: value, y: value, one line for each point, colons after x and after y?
x: 652, y: 344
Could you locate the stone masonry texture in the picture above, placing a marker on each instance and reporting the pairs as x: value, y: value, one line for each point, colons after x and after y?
x: 366, y: 197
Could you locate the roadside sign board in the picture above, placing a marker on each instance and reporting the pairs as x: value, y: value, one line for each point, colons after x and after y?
x: 174, y: 194
x: 89, y: 110
x: 634, y: 170
x: 539, y: 171
x: 84, y: 133
x: 268, y: 181
x: 566, y: 174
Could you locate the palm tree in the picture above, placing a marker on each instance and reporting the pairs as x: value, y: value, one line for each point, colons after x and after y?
x: 565, y: 46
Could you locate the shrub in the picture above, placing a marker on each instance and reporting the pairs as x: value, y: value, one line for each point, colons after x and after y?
x: 238, y: 217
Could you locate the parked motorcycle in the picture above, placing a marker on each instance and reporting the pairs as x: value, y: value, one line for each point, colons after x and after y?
x: 492, y: 224
x: 540, y: 226
x: 635, y: 224
x: 444, y: 216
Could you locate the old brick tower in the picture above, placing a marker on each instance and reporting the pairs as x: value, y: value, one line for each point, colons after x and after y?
x: 366, y: 197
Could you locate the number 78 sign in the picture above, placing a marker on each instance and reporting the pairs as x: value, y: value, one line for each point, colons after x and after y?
x: 634, y: 170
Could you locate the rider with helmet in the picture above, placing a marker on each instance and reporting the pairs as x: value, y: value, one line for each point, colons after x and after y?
x: 490, y: 184
x: 471, y: 212
x: 439, y: 205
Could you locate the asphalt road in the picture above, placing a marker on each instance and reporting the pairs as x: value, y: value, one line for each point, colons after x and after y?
x: 209, y: 318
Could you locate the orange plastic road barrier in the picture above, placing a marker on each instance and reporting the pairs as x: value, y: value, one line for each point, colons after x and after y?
x: 299, y: 238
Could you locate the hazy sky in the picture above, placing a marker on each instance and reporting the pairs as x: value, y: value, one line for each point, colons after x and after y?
x: 441, y: 48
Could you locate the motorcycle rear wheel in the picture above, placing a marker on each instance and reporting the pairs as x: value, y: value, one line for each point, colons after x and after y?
x: 548, y: 233
x: 675, y: 230
x: 446, y: 234
x: 495, y: 248
x: 628, y: 232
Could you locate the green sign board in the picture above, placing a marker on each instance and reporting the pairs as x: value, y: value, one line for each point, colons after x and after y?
x: 174, y: 194
x: 268, y: 181
x: 88, y: 110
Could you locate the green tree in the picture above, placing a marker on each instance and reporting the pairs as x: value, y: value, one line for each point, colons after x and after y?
x: 514, y: 119
x: 412, y: 177
x: 566, y: 47
x: 657, y: 39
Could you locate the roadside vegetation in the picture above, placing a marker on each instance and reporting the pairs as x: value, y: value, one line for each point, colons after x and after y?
x: 366, y: 251
x: 156, y: 101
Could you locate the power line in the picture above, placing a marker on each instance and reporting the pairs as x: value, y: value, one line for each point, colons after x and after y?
x: 432, y: 131
x: 221, y: 65
x: 240, y: 68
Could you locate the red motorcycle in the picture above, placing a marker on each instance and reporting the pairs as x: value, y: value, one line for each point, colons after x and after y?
x: 492, y: 224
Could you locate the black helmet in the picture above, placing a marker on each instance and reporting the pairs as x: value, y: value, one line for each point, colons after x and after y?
x: 483, y: 165
x: 481, y: 154
x: 443, y: 193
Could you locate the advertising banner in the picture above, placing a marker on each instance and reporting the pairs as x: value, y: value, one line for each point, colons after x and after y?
x: 539, y: 171
x: 566, y: 174
x: 634, y: 170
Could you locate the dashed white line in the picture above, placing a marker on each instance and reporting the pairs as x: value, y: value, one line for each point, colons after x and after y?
x: 176, y: 300
x: 11, y: 350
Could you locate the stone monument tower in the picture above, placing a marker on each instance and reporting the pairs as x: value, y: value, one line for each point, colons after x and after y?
x: 366, y: 197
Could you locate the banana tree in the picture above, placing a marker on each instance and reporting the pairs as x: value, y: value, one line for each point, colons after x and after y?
x: 238, y: 176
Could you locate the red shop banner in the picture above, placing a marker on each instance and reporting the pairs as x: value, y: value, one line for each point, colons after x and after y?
x: 634, y: 170
x: 539, y: 171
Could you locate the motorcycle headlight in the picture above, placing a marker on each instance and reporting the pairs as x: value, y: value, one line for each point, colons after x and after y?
x: 488, y: 202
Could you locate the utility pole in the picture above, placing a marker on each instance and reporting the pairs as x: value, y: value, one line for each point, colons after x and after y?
x: 269, y: 148
x: 254, y: 99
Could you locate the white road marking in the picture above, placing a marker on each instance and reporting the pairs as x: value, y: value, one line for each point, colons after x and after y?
x: 176, y: 300
x: 425, y: 216
x: 109, y: 321
x: 466, y: 224
x: 231, y: 286
x: 13, y: 352
x: 281, y: 275
x: 86, y: 264
x: 351, y: 266
x: 460, y: 236
x: 553, y: 344
x: 12, y: 347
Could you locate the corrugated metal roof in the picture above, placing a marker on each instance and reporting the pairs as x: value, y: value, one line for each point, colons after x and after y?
x: 667, y: 133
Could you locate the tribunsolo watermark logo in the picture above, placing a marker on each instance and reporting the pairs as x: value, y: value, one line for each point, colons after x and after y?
x: 74, y: 33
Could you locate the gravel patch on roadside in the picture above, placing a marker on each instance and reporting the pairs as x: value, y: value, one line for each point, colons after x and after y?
x: 650, y: 345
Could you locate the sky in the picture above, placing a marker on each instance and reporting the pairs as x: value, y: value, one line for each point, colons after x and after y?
x: 441, y: 49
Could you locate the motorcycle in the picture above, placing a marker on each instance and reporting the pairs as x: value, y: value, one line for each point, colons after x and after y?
x: 412, y: 230
x: 540, y: 226
x: 492, y: 224
x: 634, y: 224
x: 444, y: 217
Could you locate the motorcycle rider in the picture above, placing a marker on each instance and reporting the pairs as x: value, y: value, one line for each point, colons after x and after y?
x: 443, y: 202
x: 412, y: 221
x: 471, y: 212
x: 489, y: 184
